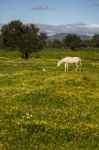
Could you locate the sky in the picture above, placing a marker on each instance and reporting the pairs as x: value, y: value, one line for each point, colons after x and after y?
x: 54, y: 16
x: 54, y: 12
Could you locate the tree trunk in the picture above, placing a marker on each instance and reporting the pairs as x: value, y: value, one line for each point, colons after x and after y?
x: 25, y: 54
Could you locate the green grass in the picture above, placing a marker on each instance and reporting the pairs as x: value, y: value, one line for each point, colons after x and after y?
x: 52, y: 110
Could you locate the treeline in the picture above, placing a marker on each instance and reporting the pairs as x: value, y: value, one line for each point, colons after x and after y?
x: 28, y: 38
x: 73, y: 42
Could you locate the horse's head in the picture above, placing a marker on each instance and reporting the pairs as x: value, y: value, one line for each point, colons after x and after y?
x: 59, y: 63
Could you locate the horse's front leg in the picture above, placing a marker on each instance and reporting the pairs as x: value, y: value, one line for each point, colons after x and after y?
x: 66, y: 67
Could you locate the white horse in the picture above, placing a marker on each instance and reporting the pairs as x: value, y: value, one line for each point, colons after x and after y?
x: 70, y: 60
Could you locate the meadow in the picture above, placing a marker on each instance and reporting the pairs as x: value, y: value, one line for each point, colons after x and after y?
x: 51, y: 110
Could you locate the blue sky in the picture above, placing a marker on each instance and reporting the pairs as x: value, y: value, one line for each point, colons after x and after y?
x: 50, y: 11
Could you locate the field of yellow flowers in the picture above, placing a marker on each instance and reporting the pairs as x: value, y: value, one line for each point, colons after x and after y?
x: 51, y: 109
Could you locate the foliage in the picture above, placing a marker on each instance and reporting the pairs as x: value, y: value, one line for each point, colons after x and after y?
x: 27, y: 38
x: 52, y: 110
x: 72, y: 41
x: 95, y: 40
x: 1, y: 42
x: 86, y: 43
x: 42, y: 40
x: 57, y: 44
x: 11, y: 34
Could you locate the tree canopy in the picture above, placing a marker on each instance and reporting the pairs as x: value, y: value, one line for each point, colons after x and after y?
x: 72, y: 41
x: 24, y: 37
x: 95, y: 40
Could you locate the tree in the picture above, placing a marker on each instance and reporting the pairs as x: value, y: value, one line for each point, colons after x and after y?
x: 29, y: 40
x: 72, y: 41
x: 24, y: 37
x: 57, y: 44
x: 86, y: 43
x: 1, y: 42
x: 49, y: 44
x: 95, y: 40
x: 11, y: 34
x: 42, y: 40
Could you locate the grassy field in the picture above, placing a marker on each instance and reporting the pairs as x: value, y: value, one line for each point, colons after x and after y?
x: 51, y: 110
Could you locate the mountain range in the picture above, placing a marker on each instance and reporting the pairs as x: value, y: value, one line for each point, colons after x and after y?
x: 85, y: 31
x: 60, y: 36
x: 77, y: 28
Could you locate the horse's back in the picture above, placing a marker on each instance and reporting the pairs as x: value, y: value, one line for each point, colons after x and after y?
x: 72, y: 59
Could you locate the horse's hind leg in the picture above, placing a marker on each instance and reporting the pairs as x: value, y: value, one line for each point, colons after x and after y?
x: 80, y: 66
x: 77, y: 66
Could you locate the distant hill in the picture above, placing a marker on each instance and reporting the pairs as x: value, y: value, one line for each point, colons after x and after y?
x: 60, y: 36
x: 84, y: 30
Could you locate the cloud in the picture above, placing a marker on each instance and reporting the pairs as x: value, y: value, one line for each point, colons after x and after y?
x: 75, y: 28
x: 96, y: 5
x: 41, y: 8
